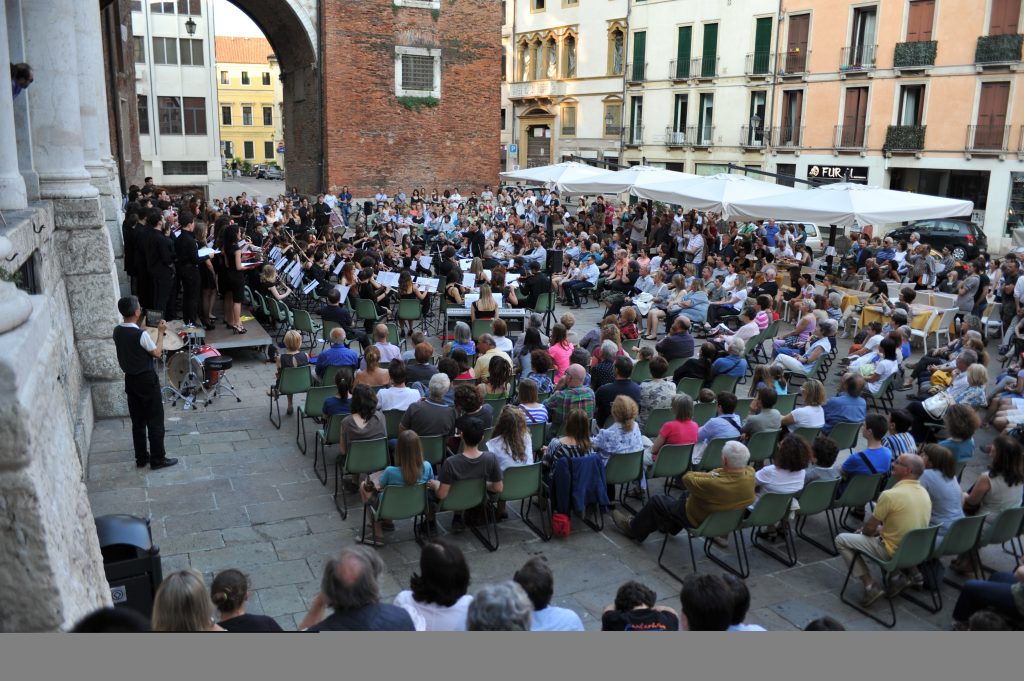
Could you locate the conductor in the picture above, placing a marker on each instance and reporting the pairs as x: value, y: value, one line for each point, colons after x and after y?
x: 136, y: 352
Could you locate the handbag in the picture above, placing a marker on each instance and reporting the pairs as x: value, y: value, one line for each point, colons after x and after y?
x: 560, y: 525
x: 937, y: 404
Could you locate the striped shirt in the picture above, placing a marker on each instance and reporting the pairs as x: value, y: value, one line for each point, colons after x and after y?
x: 538, y: 414
x: 900, y: 443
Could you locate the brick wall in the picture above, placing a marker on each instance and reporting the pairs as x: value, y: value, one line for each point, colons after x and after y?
x: 371, y: 138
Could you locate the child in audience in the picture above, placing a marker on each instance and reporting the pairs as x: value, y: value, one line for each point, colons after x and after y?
x: 706, y: 396
x: 961, y: 423
x: 899, y: 440
x: 823, y: 460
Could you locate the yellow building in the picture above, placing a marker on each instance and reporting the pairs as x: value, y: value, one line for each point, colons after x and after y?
x: 249, y: 94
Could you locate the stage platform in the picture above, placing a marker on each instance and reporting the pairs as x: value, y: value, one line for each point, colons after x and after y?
x: 225, y: 339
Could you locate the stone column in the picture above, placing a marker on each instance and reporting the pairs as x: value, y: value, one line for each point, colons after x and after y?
x: 56, y: 119
x: 12, y: 185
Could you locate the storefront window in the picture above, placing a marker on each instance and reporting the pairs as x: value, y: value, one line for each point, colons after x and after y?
x: 1015, y: 213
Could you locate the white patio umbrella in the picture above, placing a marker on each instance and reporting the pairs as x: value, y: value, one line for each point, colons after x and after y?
x: 628, y: 179
x: 715, y: 192
x: 554, y: 175
x: 846, y: 204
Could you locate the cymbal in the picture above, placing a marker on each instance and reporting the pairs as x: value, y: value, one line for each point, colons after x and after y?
x: 171, y: 340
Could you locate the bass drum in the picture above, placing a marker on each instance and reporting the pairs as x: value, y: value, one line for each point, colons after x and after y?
x: 184, y: 371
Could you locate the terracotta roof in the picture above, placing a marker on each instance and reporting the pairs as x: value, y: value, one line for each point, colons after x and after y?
x: 242, y: 50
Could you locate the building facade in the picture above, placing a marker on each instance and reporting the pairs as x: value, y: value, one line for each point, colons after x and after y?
x: 177, y: 91
x: 562, y: 80
x: 249, y: 97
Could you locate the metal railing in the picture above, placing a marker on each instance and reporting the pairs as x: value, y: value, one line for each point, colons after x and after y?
x: 636, y: 73
x: 904, y: 138
x: 754, y: 137
x: 793, y: 62
x: 910, y: 55
x: 998, y: 49
x: 787, y: 136
x: 679, y: 69
x: 850, y: 136
x: 758, y: 64
x: 701, y: 135
x: 675, y: 138
x: 634, y: 135
x: 612, y: 129
x: 987, y: 137
x: 704, y: 68
x: 858, y: 58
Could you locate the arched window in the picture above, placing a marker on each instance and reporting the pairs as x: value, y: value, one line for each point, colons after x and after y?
x: 550, y: 59
x: 569, y: 58
x: 524, y: 61
x: 616, y: 48
x: 535, y: 58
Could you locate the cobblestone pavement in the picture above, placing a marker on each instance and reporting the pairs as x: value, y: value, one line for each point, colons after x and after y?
x: 244, y: 496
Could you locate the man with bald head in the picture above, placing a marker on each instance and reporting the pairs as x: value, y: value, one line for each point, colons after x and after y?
x: 904, y: 507
x: 569, y: 394
x: 847, y: 406
x: 388, y: 350
x: 350, y: 586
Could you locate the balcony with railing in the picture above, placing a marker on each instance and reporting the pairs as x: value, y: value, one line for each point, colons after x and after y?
x: 675, y: 137
x: 704, y: 68
x: 679, y: 69
x: 905, y: 138
x: 634, y: 135
x: 991, y: 139
x: 636, y: 73
x: 701, y: 135
x: 998, y: 49
x: 612, y: 129
x: 857, y: 59
x: 917, y: 55
x: 754, y: 137
x: 850, y: 137
x: 787, y: 137
x: 793, y: 62
x: 758, y: 64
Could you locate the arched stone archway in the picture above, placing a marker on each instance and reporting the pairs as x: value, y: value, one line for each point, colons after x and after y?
x: 293, y: 29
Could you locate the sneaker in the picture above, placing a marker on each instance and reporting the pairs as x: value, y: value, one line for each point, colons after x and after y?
x: 897, y: 583
x: 871, y: 594
x: 622, y: 521
x: 721, y: 542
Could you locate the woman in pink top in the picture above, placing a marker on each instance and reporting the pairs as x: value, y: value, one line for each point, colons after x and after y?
x: 560, y: 350
x: 680, y: 431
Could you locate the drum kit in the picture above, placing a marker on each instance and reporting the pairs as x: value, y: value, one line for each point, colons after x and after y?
x: 191, y: 368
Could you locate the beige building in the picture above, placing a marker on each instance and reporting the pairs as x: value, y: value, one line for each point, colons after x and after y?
x: 249, y: 98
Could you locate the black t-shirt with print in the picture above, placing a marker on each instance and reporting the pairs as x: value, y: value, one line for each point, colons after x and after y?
x: 647, y: 619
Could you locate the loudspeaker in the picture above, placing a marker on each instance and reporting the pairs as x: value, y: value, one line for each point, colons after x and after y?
x: 554, y: 262
x: 367, y: 208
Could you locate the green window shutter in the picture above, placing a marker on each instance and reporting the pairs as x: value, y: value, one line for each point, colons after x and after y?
x: 639, y: 54
x: 683, y: 52
x: 762, y: 44
x: 710, y: 53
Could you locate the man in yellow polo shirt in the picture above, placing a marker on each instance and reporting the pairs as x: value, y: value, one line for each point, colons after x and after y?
x: 904, y: 507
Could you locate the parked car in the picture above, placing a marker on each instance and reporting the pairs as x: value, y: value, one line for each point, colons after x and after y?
x: 272, y: 173
x: 965, y: 239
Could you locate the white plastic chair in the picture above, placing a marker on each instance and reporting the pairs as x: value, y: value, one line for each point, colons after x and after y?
x: 993, y: 316
x: 944, y: 321
x: 923, y: 333
x: 943, y: 300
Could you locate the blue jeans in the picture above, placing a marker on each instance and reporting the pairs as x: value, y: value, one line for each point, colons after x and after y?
x: 979, y: 595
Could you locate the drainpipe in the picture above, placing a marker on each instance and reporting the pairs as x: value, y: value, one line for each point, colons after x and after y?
x: 515, y: 69
x: 770, y: 111
x: 625, y: 65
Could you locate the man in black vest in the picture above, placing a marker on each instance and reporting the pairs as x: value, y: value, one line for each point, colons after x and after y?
x: 136, y: 353
x: 186, y: 258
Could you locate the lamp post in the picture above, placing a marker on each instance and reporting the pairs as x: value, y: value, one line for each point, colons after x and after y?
x: 190, y: 26
x: 755, y: 129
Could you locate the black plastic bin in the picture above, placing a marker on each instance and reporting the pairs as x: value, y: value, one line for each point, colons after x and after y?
x: 130, y: 560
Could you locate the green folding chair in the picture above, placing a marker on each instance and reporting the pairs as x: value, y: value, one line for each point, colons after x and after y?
x: 762, y: 446
x: 303, y: 323
x: 411, y: 310
x: 1005, y: 528
x: 524, y: 484
x: 397, y: 502
x: 808, y: 434
x: 292, y: 381
x: 719, y: 524
x: 914, y: 549
x: 537, y: 432
x: 312, y: 409
x: 674, y: 364
x: 724, y: 384
x: 325, y: 332
x: 433, y: 449
x: 743, y: 407
x: 497, y: 404
x: 690, y: 386
x: 629, y: 344
x: 362, y: 458
x: 329, y: 374
x: 366, y: 310
x: 641, y: 371
x: 704, y: 412
x: 672, y: 462
x: 712, y: 456
x: 623, y: 469
x: 482, y: 326
x: 963, y: 536
x: 772, y: 510
x: 392, y: 418
x: 655, y: 420
x: 860, y: 490
x: 464, y: 495
x: 325, y: 445
x: 786, y: 403
x: 845, y: 434
x: 818, y: 497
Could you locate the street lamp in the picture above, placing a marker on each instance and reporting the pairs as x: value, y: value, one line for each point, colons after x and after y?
x: 755, y: 128
x: 190, y: 26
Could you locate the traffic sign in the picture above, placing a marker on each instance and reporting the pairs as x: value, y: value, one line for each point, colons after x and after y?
x: 513, y: 148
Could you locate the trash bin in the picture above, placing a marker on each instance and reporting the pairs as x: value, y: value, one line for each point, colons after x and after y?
x: 130, y: 560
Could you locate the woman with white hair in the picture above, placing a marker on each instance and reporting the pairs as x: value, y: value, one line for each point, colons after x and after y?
x: 734, y: 363
x: 803, y: 363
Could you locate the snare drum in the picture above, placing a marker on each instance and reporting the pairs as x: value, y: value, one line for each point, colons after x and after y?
x: 193, y: 336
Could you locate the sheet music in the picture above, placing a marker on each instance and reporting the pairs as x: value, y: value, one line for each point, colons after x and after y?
x: 465, y: 264
x: 308, y: 288
x: 471, y: 298
x: 296, y: 277
x: 291, y: 268
x: 469, y: 280
x: 204, y: 252
x: 343, y: 290
x: 388, y: 279
x: 487, y: 275
x: 428, y: 284
x: 274, y: 253
x: 330, y: 260
x: 337, y: 270
x: 425, y: 261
